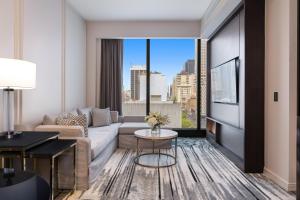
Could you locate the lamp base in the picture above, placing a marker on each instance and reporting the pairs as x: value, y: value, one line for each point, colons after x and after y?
x: 10, y: 135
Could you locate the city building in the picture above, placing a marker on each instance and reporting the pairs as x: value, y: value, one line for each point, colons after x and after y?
x: 158, y: 89
x: 135, y: 72
x: 190, y: 67
x: 184, y: 87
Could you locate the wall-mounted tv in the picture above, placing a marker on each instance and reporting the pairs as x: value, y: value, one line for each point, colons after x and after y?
x: 224, y: 82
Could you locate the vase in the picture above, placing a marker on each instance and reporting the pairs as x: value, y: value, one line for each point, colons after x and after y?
x: 155, y: 130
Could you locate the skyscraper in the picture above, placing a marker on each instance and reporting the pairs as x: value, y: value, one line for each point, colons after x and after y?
x: 135, y: 72
x: 189, y: 67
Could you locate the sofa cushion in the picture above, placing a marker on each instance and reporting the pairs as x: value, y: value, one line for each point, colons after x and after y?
x: 128, y: 128
x: 101, y: 136
x: 101, y: 117
x: 134, y: 119
x: 87, y: 112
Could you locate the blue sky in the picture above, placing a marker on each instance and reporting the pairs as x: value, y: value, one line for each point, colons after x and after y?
x: 167, y: 56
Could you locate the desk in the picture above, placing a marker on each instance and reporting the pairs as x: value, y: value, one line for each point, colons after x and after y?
x: 24, y: 141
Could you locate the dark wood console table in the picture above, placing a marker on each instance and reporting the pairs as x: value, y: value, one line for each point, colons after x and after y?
x: 51, y: 150
x: 24, y: 141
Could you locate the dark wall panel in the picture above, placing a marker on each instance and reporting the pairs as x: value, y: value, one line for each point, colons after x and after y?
x: 241, y: 131
x: 233, y: 139
x: 226, y: 113
x: 225, y: 45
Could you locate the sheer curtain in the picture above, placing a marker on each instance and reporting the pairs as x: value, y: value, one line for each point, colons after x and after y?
x: 109, y: 74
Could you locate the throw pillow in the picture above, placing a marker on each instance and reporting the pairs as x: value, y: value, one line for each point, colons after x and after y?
x: 49, y: 120
x: 81, y: 120
x: 88, y: 113
x: 101, y: 117
x: 72, y: 120
x: 114, y: 116
x: 73, y: 112
x: 66, y: 121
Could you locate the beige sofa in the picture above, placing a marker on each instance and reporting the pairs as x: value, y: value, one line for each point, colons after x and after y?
x: 126, y: 134
x: 92, y: 151
x: 95, y: 150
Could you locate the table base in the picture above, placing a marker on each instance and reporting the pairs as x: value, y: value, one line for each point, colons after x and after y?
x: 158, y: 165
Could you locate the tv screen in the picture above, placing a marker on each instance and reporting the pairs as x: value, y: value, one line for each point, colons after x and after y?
x: 224, y: 83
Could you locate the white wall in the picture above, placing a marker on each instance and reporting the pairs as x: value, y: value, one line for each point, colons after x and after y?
x: 146, y: 29
x: 75, y: 59
x: 42, y: 44
x: 55, y: 45
x: 7, y: 41
x: 281, y: 76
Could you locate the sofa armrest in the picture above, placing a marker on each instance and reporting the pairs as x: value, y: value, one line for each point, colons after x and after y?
x: 64, y: 131
x: 83, y: 160
x: 83, y: 152
x: 134, y: 119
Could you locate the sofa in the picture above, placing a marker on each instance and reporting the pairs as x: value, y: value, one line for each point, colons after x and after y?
x: 94, y: 150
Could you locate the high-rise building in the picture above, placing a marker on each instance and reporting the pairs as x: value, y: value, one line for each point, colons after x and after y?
x: 135, y: 72
x: 184, y: 87
x: 189, y: 67
x: 158, y: 87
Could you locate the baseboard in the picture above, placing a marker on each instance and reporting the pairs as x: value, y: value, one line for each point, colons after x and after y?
x: 280, y: 181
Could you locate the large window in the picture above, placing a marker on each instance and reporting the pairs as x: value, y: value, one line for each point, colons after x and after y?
x: 173, y: 81
x: 161, y: 75
x: 134, y: 66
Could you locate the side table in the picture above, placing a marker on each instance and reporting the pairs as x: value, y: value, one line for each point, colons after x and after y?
x: 165, y: 134
x: 52, y: 150
x: 20, y: 143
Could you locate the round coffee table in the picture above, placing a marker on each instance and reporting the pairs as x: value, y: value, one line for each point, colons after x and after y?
x: 158, y: 159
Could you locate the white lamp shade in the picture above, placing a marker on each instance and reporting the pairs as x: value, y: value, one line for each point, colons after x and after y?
x: 17, y: 74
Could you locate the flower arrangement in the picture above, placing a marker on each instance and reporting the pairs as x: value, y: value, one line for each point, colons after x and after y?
x: 156, y: 120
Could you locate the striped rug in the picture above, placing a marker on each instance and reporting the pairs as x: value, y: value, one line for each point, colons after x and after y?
x: 202, y: 172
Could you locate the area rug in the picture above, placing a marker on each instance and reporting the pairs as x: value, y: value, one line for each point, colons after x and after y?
x: 202, y: 172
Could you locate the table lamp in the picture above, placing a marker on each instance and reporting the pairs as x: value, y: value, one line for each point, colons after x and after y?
x: 15, y: 75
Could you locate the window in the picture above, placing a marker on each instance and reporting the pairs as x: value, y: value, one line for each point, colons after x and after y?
x: 173, y: 80
x: 134, y: 66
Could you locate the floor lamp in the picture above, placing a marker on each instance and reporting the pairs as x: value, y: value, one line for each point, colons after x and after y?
x: 15, y: 75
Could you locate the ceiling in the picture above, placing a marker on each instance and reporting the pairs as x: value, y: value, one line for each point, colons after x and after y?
x: 141, y: 10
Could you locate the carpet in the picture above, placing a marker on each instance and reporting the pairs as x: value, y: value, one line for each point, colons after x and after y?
x: 202, y: 172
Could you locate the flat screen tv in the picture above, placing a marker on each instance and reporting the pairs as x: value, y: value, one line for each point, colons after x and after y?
x: 224, y: 83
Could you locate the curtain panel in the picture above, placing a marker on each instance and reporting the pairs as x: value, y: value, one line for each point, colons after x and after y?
x: 110, y: 74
